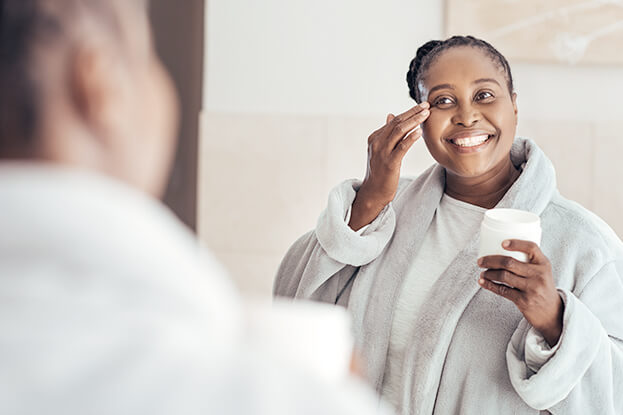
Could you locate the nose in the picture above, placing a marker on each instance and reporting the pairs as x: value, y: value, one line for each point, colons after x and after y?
x: 466, y: 115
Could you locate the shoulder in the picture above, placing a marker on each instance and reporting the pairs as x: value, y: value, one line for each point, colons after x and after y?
x: 584, y: 226
x: 579, y: 240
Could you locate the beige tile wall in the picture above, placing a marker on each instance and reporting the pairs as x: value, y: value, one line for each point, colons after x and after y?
x: 608, y: 174
x: 570, y: 145
x: 264, y: 178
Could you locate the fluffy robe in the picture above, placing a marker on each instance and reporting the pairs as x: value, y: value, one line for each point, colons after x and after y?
x: 467, y: 350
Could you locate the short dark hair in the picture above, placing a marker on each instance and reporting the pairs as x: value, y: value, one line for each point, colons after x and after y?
x: 20, y: 24
x: 25, y: 27
x: 428, y: 52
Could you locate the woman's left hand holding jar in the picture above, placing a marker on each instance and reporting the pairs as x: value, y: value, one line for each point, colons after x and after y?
x: 529, y: 285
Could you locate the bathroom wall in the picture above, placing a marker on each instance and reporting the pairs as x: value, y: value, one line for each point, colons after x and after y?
x: 293, y: 89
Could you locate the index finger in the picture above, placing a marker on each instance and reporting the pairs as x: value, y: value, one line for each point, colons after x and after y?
x: 535, y: 255
x: 411, y: 112
x: 392, y: 120
x: 507, y: 263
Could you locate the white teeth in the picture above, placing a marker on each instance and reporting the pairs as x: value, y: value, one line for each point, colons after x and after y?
x: 470, y: 141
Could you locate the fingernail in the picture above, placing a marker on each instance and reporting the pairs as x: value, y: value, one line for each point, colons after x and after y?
x: 481, y: 281
x: 506, y: 244
x: 425, y: 104
x: 479, y: 261
x: 425, y: 112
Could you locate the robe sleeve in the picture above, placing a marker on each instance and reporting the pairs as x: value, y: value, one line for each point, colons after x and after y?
x: 537, y: 351
x: 585, y: 375
x: 347, y: 220
x: 333, y: 249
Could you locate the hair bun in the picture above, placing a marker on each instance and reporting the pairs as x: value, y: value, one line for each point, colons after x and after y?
x: 416, y: 63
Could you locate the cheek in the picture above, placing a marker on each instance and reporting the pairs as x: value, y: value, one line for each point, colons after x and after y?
x: 158, y: 129
x: 503, y: 114
x: 432, y: 131
x: 160, y: 107
x: 510, y: 120
x: 168, y: 104
x: 434, y: 126
x: 163, y: 119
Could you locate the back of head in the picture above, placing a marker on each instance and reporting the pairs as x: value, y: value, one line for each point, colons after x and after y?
x: 20, y: 25
x: 81, y: 85
x: 29, y: 29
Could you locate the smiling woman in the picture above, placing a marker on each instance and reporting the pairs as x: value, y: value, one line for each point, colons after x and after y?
x: 474, y: 116
x: 441, y: 330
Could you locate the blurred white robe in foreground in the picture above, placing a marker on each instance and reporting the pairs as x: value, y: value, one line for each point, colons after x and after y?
x: 107, y: 306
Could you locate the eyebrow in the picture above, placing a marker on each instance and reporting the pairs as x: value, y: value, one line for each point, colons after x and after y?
x: 450, y: 86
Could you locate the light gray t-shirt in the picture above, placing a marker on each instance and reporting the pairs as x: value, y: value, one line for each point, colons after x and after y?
x: 454, y: 223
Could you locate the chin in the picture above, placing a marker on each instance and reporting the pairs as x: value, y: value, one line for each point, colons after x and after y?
x: 468, y: 171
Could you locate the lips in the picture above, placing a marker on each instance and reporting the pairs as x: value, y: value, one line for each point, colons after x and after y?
x: 469, y: 139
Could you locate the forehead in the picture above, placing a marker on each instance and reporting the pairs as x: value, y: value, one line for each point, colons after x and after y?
x: 462, y: 65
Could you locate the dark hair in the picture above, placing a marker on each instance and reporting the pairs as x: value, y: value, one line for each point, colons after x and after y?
x: 428, y: 52
x: 20, y: 22
x: 28, y: 26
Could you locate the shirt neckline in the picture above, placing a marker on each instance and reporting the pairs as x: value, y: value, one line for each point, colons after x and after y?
x: 464, y: 205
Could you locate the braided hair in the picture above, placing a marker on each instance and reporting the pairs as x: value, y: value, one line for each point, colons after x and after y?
x: 428, y: 52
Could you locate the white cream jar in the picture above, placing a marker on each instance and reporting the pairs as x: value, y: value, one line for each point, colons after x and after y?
x: 499, y: 225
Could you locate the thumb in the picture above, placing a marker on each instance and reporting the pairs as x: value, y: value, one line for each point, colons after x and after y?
x: 390, y: 117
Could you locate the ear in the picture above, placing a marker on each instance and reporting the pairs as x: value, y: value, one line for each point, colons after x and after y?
x: 94, y: 89
x: 514, y: 100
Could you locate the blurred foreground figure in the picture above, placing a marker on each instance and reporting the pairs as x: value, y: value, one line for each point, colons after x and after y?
x: 106, y: 303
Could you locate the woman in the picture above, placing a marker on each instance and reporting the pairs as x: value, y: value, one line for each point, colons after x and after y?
x: 436, y: 333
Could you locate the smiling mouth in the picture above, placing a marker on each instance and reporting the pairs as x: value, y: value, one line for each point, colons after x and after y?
x: 470, y: 141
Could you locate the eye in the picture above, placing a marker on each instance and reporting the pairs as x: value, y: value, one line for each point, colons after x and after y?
x: 484, y: 95
x: 442, y: 101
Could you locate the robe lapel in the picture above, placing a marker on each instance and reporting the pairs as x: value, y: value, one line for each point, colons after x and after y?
x: 435, y: 327
x: 376, y: 288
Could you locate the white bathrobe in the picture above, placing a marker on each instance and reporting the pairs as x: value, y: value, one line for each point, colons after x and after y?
x: 107, y: 306
x: 467, y: 350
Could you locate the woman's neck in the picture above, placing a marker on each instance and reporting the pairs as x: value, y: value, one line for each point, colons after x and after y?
x: 486, y: 190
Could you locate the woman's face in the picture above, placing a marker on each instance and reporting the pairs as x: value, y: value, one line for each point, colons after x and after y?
x: 473, y: 116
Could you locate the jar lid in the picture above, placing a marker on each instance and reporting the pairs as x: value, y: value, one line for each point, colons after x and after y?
x: 511, y: 219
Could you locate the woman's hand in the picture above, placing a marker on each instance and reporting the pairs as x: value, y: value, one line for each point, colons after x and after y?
x: 529, y: 285
x: 387, y: 147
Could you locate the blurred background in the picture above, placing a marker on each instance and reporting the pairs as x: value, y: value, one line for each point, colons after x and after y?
x: 289, y: 91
